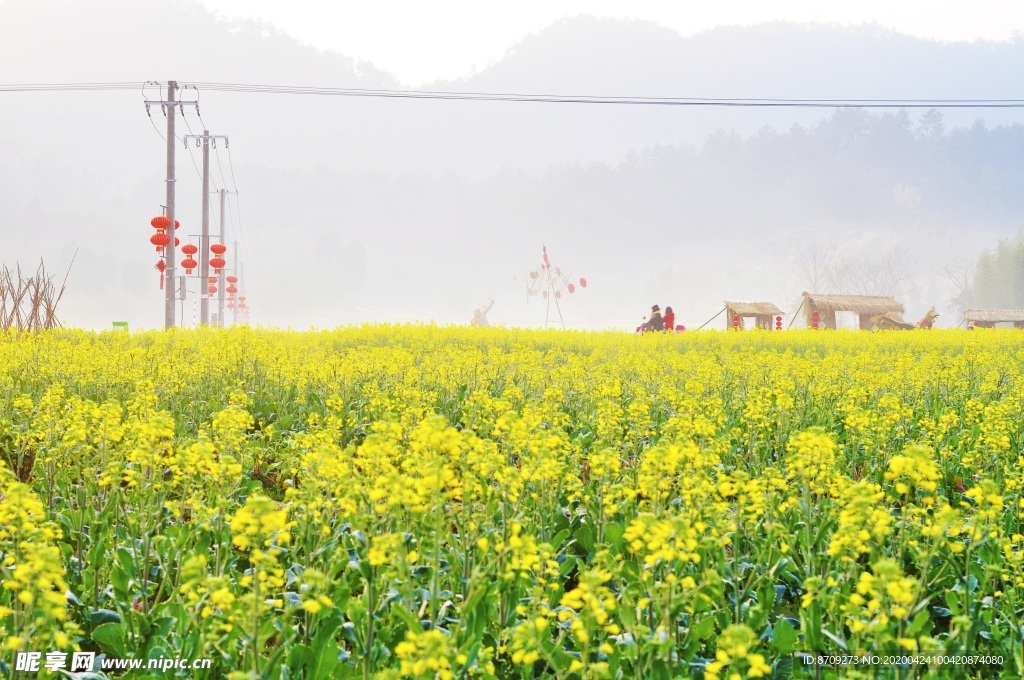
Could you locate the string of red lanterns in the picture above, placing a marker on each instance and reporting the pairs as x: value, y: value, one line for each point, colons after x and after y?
x: 161, y: 240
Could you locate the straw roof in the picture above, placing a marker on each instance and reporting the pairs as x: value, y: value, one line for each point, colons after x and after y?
x: 860, y: 304
x: 994, y: 315
x: 753, y: 308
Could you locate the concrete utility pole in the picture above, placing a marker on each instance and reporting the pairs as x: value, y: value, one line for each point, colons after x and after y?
x: 169, y: 250
x: 204, y: 240
x: 221, y: 283
x: 168, y: 105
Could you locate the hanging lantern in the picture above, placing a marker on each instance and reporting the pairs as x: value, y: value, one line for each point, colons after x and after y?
x: 160, y: 239
x: 213, y: 289
x: 160, y: 267
x: 177, y: 241
x: 583, y: 283
x: 241, y: 298
x: 189, y: 264
x: 177, y: 224
x: 160, y: 222
x: 572, y: 288
x: 232, y: 279
x: 232, y: 289
x: 218, y: 262
x: 189, y: 249
x: 213, y: 280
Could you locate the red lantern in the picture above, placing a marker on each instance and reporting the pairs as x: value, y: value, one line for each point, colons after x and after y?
x: 583, y: 283
x: 160, y: 222
x: 814, y: 320
x: 189, y: 249
x: 232, y: 289
x: 572, y: 288
x: 213, y: 289
x: 736, y: 321
x: 778, y: 323
x: 213, y: 280
x: 218, y: 248
x: 217, y: 263
x: 232, y: 279
x: 160, y: 267
x: 177, y: 241
x: 160, y: 239
x: 241, y: 299
x: 189, y: 264
x: 177, y: 224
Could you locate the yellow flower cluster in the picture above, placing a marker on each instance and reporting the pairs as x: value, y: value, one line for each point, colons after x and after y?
x: 735, y: 652
x: 453, y: 502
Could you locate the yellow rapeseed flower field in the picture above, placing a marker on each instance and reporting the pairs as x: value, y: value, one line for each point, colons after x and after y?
x: 440, y: 502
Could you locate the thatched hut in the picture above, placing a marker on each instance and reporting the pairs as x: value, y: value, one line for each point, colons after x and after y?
x: 864, y: 306
x: 988, y: 318
x: 763, y: 313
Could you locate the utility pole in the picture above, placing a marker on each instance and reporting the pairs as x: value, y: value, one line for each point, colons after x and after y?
x: 169, y: 249
x: 204, y: 241
x: 220, y: 283
x: 169, y: 253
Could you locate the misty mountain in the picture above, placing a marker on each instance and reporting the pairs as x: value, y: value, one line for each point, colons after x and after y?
x: 378, y: 209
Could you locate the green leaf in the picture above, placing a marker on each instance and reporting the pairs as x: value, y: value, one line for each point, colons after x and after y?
x: 560, y: 538
x: 917, y: 625
x: 101, y: 616
x: 613, y: 534
x: 584, y: 535
x: 784, y: 638
x: 126, y: 560
x: 110, y: 638
x: 953, y: 602
x: 121, y: 581
x: 835, y: 638
x: 783, y: 668
x: 810, y: 624
x: 704, y: 629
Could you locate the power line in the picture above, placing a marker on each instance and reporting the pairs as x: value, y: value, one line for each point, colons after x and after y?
x: 221, y: 168
x: 66, y: 87
x: 231, y: 165
x: 614, y: 100
x: 540, y: 98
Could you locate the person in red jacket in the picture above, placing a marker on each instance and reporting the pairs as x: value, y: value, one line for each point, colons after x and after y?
x: 670, y: 320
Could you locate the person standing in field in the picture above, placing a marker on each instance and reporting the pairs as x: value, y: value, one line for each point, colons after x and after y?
x: 670, y: 320
x: 656, y: 322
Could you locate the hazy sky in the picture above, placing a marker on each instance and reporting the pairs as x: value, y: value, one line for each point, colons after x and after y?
x: 422, y: 41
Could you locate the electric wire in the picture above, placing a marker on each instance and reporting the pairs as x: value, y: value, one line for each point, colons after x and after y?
x: 220, y: 167
x: 616, y: 100
x: 536, y: 98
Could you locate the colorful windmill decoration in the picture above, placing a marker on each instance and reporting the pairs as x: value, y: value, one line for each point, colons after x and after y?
x: 549, y: 283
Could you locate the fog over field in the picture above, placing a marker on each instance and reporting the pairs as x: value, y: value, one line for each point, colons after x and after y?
x: 391, y: 209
